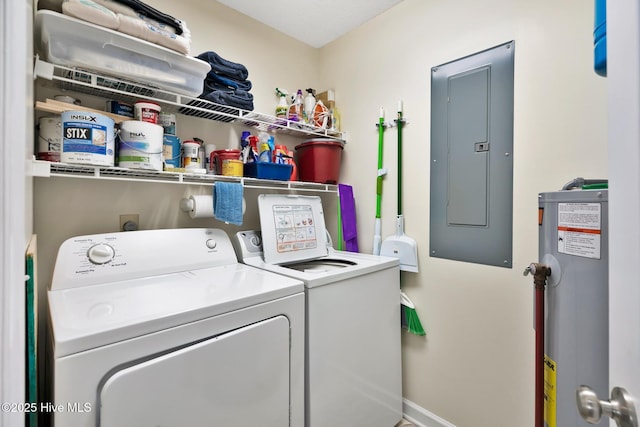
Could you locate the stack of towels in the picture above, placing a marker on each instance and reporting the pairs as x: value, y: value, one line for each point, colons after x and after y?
x: 226, y: 83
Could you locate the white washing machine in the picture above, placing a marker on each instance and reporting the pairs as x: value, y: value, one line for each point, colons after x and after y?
x: 166, y: 328
x: 353, y: 351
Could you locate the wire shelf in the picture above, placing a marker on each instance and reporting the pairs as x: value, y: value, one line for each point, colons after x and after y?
x: 43, y: 168
x: 88, y: 82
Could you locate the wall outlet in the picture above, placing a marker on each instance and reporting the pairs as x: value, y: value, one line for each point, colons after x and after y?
x: 129, y: 222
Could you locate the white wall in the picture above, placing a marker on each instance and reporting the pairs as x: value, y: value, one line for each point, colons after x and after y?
x: 475, y: 367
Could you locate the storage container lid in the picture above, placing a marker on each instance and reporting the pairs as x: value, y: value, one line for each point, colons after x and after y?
x: 293, y: 228
x: 321, y: 141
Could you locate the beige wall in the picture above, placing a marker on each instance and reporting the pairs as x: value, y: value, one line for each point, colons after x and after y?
x: 475, y: 367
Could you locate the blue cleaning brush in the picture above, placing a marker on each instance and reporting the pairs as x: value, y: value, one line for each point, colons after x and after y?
x: 409, y: 316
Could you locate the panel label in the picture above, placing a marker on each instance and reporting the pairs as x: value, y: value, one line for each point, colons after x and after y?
x: 295, y: 227
x: 579, y: 229
x: 550, y: 391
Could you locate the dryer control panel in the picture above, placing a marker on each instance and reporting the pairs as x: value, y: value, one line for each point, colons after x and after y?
x: 101, y: 258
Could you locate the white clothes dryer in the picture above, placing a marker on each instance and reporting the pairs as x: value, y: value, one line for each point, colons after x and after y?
x: 353, y: 373
x: 166, y: 328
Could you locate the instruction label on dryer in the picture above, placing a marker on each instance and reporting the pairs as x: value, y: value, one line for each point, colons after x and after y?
x: 579, y: 229
x: 295, y: 227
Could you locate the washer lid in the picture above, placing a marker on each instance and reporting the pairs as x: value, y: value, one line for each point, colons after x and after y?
x: 83, y: 318
x: 293, y: 228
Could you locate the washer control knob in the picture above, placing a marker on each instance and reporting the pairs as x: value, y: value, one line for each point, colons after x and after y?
x: 211, y: 244
x: 101, y: 253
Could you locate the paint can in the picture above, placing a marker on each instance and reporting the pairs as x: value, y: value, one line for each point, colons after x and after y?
x: 171, y: 151
x: 232, y: 167
x: 147, y: 112
x: 120, y: 108
x: 168, y: 122
x: 87, y: 138
x: 191, y: 155
x: 140, y: 145
x: 227, y: 162
x: 49, y: 138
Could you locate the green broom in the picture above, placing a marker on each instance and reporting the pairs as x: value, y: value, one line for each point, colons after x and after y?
x: 409, y: 316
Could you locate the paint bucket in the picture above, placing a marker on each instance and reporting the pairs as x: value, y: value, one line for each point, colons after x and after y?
x: 87, y: 138
x: 168, y: 122
x: 191, y: 155
x: 232, y: 167
x: 140, y: 145
x: 171, y: 151
x: 49, y: 138
x: 227, y: 162
x: 147, y: 112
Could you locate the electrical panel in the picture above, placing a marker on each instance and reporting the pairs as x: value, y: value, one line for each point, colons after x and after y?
x: 472, y: 158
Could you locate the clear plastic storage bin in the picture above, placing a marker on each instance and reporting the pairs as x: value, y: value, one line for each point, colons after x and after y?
x: 71, y: 42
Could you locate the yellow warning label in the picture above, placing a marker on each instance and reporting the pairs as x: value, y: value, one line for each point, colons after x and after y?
x: 550, y: 370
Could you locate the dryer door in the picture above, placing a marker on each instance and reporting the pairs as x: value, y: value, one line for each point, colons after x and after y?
x: 240, y: 378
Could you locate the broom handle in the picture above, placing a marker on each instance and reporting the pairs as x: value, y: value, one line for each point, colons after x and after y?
x: 377, y: 238
x: 380, y: 152
x: 400, y: 123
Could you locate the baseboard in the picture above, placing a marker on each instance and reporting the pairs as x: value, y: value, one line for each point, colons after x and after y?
x: 421, y: 417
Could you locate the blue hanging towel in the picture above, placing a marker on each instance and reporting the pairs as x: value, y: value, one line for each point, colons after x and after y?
x: 227, y: 202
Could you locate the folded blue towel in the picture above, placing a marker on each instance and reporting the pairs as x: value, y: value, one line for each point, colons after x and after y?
x: 238, y: 98
x: 227, y: 202
x: 216, y: 82
x: 224, y: 67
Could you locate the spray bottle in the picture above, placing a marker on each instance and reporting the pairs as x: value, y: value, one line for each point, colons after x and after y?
x: 309, y: 103
x: 282, y: 107
x: 264, y: 148
x: 295, y: 109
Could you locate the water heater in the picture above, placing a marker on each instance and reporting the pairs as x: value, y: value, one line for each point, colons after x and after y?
x: 573, y: 242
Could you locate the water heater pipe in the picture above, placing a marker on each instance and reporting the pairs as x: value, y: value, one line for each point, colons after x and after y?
x: 540, y: 273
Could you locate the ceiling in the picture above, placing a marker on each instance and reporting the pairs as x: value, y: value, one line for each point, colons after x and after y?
x: 314, y: 22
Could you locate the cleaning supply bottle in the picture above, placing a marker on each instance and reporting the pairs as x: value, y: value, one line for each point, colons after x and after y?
x: 294, y: 170
x: 295, y: 109
x: 282, y: 107
x: 245, y: 148
x: 265, y: 153
x: 309, y: 103
x: 264, y: 149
